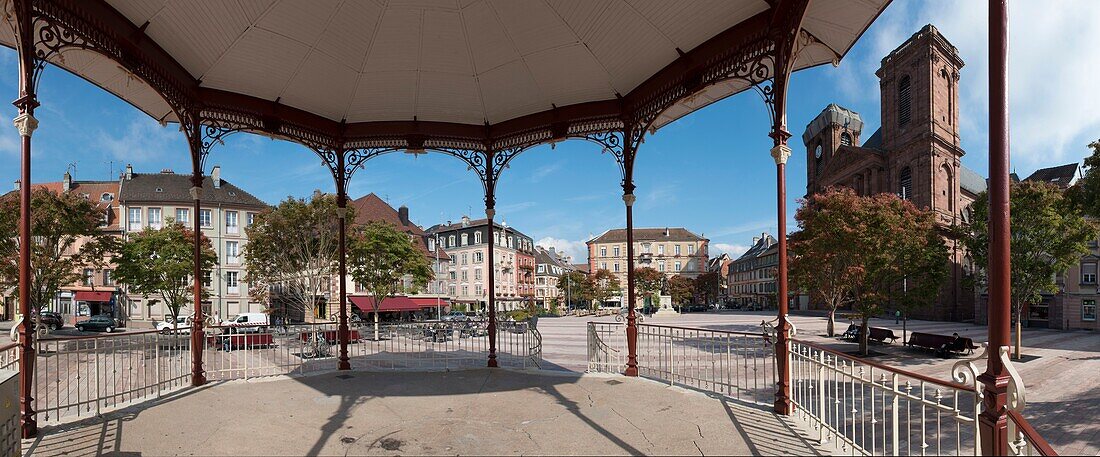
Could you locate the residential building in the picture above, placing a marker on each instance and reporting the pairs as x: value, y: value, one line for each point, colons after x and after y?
x: 371, y: 208
x: 549, y: 267
x: 672, y: 251
x: 151, y: 200
x: 467, y: 273
x: 916, y: 153
x: 721, y: 266
x: 751, y: 277
x: 1073, y: 305
x: 96, y: 292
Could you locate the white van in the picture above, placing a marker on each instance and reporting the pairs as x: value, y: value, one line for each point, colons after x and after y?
x: 246, y: 322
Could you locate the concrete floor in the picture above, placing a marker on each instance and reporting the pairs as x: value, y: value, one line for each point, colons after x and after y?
x: 477, y: 412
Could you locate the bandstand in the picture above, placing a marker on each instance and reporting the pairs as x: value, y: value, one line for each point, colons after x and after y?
x: 481, y: 81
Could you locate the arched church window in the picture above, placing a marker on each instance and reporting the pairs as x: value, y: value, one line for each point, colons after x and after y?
x: 905, y: 182
x: 903, y: 100
x: 949, y: 192
x: 845, y: 139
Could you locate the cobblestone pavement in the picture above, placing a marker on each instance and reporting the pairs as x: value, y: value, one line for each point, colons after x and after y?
x: 1061, y: 372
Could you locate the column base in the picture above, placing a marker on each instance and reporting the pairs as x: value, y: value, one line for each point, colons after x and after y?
x: 492, y: 361
x: 631, y: 371
x: 344, y: 365
x: 198, y: 380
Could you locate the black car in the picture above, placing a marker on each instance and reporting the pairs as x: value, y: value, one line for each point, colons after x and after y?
x: 52, y: 320
x: 99, y: 323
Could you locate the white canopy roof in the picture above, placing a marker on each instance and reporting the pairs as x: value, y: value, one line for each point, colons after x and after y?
x: 460, y: 61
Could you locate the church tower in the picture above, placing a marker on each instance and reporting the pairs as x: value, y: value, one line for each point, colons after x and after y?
x: 919, y: 83
x: 832, y: 129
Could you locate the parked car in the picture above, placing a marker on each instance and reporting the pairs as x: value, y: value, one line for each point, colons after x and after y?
x: 100, y: 323
x: 246, y: 322
x: 183, y: 324
x: 52, y: 320
x: 457, y: 316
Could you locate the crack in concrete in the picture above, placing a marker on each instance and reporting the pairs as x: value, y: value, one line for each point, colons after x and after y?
x: 697, y: 447
x: 639, y: 429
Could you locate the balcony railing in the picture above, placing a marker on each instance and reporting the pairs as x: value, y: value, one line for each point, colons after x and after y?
x: 86, y: 375
x: 852, y: 405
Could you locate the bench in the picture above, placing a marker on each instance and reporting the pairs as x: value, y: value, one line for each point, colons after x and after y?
x: 935, y: 342
x: 232, y: 341
x: 879, y: 334
x: 331, y: 336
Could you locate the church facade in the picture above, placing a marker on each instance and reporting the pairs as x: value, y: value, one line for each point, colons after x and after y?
x: 915, y: 153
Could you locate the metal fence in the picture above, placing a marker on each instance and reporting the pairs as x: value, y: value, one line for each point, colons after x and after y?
x: 85, y: 375
x: 738, y: 365
x: 863, y: 407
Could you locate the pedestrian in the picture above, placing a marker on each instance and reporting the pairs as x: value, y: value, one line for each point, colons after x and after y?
x: 897, y: 316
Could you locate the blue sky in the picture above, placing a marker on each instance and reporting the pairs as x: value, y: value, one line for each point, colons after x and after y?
x: 709, y: 172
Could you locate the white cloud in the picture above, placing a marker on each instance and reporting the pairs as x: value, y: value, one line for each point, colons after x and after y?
x: 544, y: 171
x: 578, y: 250
x: 143, y: 140
x: 1052, y: 61
x: 734, y: 250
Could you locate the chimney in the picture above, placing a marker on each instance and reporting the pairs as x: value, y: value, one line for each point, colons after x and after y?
x: 216, y: 176
x: 666, y: 231
x: 755, y: 240
x: 17, y: 185
x: 465, y: 220
x: 67, y: 182
x: 129, y: 172
x: 316, y: 194
x: 403, y: 214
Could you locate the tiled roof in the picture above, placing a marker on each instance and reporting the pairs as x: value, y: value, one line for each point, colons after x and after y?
x: 370, y: 208
x: 971, y: 181
x: 581, y: 267
x: 441, y: 228
x: 762, y: 245
x: 874, y: 141
x: 1062, y: 176
x: 175, y: 188
x: 94, y: 190
x: 647, y: 234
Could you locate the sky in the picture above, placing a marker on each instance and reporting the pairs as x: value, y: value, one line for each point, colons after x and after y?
x: 710, y: 172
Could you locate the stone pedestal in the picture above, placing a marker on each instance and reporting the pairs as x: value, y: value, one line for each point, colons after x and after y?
x: 666, y: 307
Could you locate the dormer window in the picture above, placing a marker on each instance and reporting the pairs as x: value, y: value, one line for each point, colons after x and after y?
x: 106, y: 197
x: 159, y: 190
x: 845, y: 139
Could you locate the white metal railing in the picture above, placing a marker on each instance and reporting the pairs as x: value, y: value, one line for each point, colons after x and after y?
x: 738, y: 365
x: 83, y: 376
x: 867, y: 408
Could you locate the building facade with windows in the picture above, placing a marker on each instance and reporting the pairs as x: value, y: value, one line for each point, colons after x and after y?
x: 467, y: 279
x: 151, y: 200
x: 672, y: 251
x: 751, y: 277
x: 550, y: 265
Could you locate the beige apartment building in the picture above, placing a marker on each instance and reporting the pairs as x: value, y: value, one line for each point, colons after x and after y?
x: 549, y: 267
x: 151, y: 200
x: 672, y: 251
x: 466, y: 242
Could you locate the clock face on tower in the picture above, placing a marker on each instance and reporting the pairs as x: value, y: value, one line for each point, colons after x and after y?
x: 817, y: 152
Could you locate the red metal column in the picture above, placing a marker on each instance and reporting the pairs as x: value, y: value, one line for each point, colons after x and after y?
x: 342, y: 333
x: 489, y: 213
x: 198, y: 335
x: 631, y: 317
x: 26, y: 124
x: 782, y: 345
x: 993, y: 421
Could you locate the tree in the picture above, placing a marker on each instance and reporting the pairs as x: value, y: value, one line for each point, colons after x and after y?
x: 1048, y: 236
x: 67, y: 239
x: 381, y: 258
x: 295, y: 246
x: 824, y: 251
x: 601, y: 286
x: 647, y: 282
x: 1085, y: 195
x: 680, y: 288
x: 571, y: 286
x: 707, y: 285
x: 161, y: 262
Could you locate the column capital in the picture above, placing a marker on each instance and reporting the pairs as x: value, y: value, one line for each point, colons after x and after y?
x: 26, y: 124
x: 781, y: 153
x: 628, y: 199
x: 490, y: 213
x: 196, y: 193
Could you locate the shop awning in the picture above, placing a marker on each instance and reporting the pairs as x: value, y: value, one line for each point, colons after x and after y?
x: 430, y: 302
x: 96, y: 296
x: 366, y: 304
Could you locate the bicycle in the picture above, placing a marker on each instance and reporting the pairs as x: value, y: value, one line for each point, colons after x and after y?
x: 316, y: 346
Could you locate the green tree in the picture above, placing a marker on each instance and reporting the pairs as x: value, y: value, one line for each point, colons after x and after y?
x: 571, y: 287
x: 1048, y: 235
x: 1085, y: 195
x: 707, y: 285
x: 161, y: 262
x: 824, y: 252
x: 601, y: 286
x: 382, y: 258
x: 294, y: 245
x: 680, y: 288
x: 647, y: 282
x: 66, y: 240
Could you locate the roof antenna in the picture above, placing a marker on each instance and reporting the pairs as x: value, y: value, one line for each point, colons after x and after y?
x: 71, y: 169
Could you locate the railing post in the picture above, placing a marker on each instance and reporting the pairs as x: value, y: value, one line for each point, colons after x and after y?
x: 821, y: 415
x: 895, y: 403
x: 95, y: 361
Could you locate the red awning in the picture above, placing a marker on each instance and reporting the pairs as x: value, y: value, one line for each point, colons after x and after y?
x: 429, y: 302
x: 366, y: 304
x: 87, y: 295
